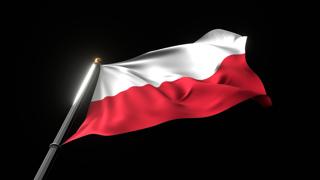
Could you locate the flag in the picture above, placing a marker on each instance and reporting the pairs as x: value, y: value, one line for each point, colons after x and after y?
x: 193, y: 80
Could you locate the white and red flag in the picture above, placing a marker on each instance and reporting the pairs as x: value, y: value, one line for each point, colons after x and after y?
x: 193, y: 80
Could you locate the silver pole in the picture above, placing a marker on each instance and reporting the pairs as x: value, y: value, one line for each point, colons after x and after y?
x: 57, y: 141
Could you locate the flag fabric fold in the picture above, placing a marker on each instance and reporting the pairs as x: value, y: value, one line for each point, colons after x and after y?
x: 193, y: 80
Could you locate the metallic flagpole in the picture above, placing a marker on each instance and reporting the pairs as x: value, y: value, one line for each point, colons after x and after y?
x: 57, y: 141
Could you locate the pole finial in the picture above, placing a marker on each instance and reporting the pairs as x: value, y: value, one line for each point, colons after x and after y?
x: 97, y: 60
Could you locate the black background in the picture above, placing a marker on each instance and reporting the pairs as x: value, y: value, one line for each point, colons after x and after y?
x: 57, y: 46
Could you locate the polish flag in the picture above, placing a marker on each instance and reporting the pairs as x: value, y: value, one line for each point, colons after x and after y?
x: 193, y: 80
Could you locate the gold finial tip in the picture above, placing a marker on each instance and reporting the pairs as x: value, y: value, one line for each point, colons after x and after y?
x: 97, y: 60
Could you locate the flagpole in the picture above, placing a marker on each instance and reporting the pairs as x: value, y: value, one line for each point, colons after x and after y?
x: 53, y: 147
